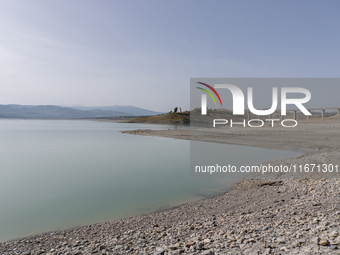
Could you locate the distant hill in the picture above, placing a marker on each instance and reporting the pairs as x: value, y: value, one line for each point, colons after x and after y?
x: 58, y: 112
x: 129, y: 110
x: 194, y: 117
x: 169, y: 118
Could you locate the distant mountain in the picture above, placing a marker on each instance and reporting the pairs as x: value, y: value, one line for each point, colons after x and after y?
x: 130, y: 110
x: 58, y: 112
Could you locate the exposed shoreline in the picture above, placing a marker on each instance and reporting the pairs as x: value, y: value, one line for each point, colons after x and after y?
x: 278, y: 138
x: 263, y: 214
x: 318, y: 140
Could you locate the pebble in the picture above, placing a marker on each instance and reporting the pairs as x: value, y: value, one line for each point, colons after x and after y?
x: 208, y: 252
x: 324, y: 242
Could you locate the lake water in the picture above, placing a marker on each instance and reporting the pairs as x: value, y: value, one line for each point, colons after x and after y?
x: 58, y: 174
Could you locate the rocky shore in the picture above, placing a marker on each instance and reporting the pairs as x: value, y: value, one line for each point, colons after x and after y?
x: 295, y: 216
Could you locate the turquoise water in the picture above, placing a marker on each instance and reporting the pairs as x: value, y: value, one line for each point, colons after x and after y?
x: 58, y: 174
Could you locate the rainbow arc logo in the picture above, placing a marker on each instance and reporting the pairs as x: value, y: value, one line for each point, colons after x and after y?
x: 209, y: 93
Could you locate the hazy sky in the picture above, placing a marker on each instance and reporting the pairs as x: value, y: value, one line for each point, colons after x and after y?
x: 143, y: 53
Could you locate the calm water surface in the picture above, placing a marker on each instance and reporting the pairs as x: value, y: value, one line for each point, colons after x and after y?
x: 57, y: 174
